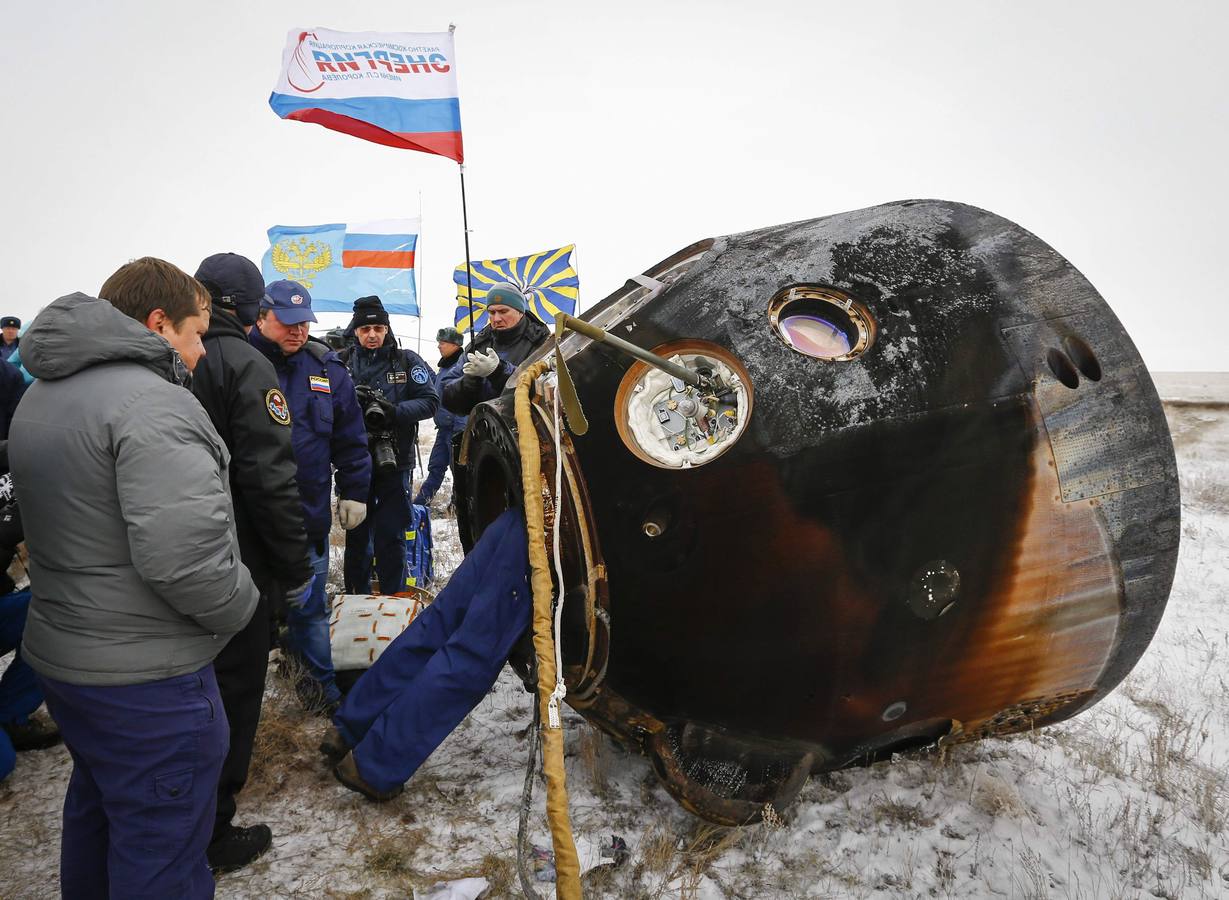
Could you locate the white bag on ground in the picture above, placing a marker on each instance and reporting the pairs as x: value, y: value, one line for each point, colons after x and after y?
x: 362, y: 625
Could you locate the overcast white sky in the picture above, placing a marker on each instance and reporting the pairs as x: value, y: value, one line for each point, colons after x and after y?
x: 633, y: 129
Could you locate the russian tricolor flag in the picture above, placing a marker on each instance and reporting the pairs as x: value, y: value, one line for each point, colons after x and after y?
x: 379, y: 245
x: 398, y: 89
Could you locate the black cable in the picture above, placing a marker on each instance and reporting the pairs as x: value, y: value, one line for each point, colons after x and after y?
x: 522, y: 828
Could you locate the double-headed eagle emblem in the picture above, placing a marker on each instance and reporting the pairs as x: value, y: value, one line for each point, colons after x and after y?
x: 301, y: 260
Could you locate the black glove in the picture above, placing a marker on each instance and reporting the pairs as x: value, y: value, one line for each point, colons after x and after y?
x: 294, y: 596
x: 368, y: 395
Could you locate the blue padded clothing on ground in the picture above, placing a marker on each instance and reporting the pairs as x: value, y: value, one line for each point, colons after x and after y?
x: 19, y: 691
x: 444, y: 663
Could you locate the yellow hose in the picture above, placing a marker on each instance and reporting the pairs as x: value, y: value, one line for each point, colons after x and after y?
x: 567, y: 865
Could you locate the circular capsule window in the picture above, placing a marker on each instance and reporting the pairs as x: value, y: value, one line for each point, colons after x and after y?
x: 821, y: 322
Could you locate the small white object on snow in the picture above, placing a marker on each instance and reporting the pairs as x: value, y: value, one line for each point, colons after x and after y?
x: 465, y: 889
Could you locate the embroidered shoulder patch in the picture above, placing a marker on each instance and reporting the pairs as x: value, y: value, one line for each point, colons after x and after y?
x: 279, y: 409
x: 319, y: 383
x: 419, y: 374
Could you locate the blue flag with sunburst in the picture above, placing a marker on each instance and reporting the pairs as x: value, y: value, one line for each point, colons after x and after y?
x: 547, y: 279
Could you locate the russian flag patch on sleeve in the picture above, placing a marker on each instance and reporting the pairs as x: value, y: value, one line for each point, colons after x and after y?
x: 319, y: 383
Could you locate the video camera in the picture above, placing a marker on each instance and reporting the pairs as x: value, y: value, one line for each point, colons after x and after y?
x: 378, y: 417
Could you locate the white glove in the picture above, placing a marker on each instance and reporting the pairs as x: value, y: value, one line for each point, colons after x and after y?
x: 351, y: 513
x: 481, y: 364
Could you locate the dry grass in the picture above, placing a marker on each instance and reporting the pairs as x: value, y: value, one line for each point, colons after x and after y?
x: 1205, y: 490
x: 285, y: 753
x: 898, y: 813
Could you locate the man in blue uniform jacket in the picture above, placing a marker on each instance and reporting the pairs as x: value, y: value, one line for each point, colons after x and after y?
x: 326, y: 433
x: 447, y: 424
x: 396, y: 391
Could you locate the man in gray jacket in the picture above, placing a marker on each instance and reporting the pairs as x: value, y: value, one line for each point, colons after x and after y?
x: 136, y: 577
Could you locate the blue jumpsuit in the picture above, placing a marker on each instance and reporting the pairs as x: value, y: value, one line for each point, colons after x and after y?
x: 19, y: 692
x: 437, y: 670
x: 447, y: 425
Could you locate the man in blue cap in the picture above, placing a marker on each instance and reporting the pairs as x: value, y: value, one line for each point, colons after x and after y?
x: 10, y: 327
x: 318, y: 401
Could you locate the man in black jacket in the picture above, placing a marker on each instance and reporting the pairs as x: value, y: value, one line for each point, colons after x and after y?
x: 239, y: 390
x: 512, y: 335
x: 397, y: 387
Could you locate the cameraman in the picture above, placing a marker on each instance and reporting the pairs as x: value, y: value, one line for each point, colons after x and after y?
x: 396, y: 390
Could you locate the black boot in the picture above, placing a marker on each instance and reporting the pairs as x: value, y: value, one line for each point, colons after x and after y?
x: 37, y: 733
x: 346, y: 772
x: 333, y: 746
x: 237, y: 847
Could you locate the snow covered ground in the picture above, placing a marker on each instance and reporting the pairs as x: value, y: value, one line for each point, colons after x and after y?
x: 1129, y: 799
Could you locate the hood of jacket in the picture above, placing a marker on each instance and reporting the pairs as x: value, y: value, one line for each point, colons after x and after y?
x: 225, y: 323
x: 78, y: 331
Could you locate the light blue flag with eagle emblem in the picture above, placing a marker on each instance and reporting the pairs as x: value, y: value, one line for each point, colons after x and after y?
x: 547, y: 279
x: 339, y: 262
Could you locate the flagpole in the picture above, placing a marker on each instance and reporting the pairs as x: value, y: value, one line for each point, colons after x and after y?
x: 469, y: 275
x: 418, y: 274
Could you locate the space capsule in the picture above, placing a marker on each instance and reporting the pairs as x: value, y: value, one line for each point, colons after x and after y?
x: 920, y: 490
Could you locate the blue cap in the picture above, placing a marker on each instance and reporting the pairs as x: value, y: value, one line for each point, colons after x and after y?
x: 290, y: 302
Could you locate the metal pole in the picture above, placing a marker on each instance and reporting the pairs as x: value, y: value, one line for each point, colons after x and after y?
x: 469, y: 275
x: 563, y: 320
x: 418, y: 273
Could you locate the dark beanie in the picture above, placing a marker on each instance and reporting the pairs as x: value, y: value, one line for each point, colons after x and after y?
x: 369, y: 311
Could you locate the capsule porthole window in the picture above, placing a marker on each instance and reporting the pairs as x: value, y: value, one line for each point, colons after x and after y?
x: 821, y: 322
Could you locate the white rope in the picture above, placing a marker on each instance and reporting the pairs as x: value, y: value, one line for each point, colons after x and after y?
x: 560, y: 690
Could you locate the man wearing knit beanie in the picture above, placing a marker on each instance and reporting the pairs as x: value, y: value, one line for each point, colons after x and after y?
x: 396, y: 391
x: 513, y: 333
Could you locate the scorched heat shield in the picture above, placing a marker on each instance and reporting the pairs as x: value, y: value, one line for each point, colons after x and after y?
x: 925, y: 492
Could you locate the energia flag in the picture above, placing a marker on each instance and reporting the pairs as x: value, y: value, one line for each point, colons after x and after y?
x: 547, y: 279
x: 395, y: 89
x: 339, y: 263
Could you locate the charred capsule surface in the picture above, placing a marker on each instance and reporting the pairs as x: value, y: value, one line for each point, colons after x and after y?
x: 925, y: 492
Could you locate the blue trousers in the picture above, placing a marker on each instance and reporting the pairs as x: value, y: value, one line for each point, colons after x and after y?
x: 19, y: 692
x: 139, y: 809
x: 388, y: 519
x: 437, y: 465
x: 437, y: 670
x: 307, y: 627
